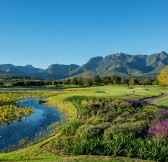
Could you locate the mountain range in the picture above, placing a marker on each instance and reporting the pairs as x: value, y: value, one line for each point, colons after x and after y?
x: 121, y: 64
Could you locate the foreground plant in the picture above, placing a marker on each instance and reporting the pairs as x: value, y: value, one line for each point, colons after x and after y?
x: 111, y: 127
x: 159, y: 129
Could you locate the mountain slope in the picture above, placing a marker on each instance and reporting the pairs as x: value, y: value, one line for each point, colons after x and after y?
x: 92, y: 64
x: 60, y: 69
x: 22, y: 70
x: 121, y: 64
x: 132, y: 65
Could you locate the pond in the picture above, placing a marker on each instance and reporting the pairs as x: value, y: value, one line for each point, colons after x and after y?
x: 42, y: 117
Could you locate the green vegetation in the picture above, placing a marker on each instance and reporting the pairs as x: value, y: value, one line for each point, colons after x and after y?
x: 163, y: 77
x: 12, y: 97
x: 104, y: 123
x: 80, y: 80
x: 10, y: 113
x: 162, y: 101
x: 109, y: 127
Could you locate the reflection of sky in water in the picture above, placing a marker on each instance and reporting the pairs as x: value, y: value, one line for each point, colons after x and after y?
x: 42, y: 117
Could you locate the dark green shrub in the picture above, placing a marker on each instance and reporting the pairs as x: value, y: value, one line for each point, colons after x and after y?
x: 69, y: 129
x: 138, y: 129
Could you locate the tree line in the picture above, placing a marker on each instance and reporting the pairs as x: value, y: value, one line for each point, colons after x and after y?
x: 162, y: 80
x: 97, y: 80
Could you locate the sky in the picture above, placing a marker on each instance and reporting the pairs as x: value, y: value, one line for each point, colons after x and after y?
x: 44, y: 32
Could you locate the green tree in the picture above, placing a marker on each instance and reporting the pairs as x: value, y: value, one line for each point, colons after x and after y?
x: 125, y: 81
x: 146, y: 81
x: 89, y: 82
x: 74, y: 80
x: 97, y: 80
x: 2, y: 82
x: 155, y: 82
x: 163, y: 77
x: 80, y: 81
x: 70, y: 71
x: 106, y: 79
x: 67, y: 81
x: 116, y: 79
x: 133, y: 81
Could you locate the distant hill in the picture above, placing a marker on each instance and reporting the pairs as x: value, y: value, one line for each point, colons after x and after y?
x: 61, y: 69
x: 14, y: 76
x: 54, y: 71
x: 121, y: 64
x: 50, y: 76
x: 125, y: 65
x: 21, y: 70
x: 92, y: 64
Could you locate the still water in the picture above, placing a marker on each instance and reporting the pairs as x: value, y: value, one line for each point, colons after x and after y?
x: 42, y: 117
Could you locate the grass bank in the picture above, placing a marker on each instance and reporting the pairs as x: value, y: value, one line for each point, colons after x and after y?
x: 162, y: 101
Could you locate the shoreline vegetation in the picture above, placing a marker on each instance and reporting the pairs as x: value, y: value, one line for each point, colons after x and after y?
x: 63, y: 100
x: 11, y: 113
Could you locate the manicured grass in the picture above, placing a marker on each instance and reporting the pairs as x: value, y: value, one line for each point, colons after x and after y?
x: 36, y: 152
x: 66, y: 108
x: 162, y: 101
x: 119, y: 91
x: 87, y: 158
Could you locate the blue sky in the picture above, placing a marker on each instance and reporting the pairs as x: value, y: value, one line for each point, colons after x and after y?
x: 44, y: 32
